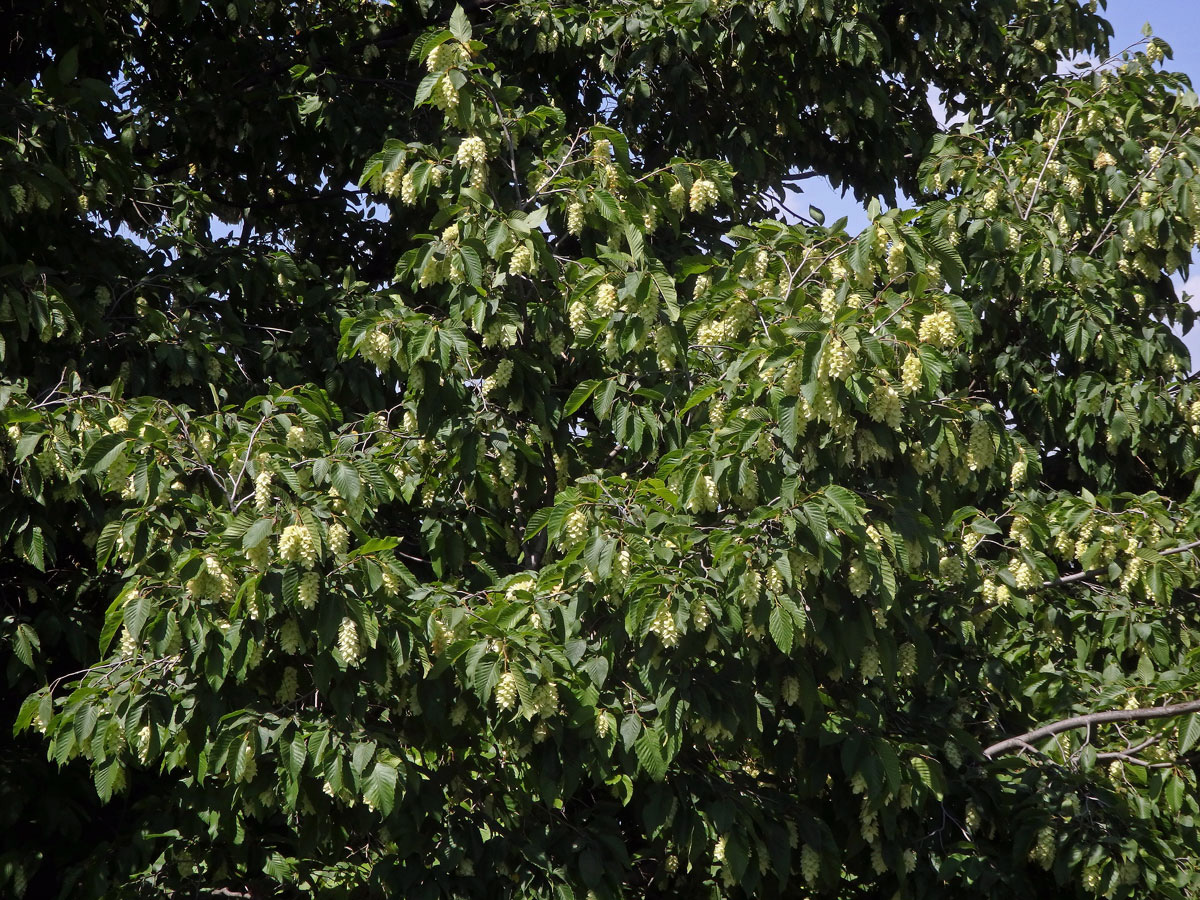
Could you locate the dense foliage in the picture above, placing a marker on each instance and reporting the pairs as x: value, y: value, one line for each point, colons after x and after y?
x: 437, y: 464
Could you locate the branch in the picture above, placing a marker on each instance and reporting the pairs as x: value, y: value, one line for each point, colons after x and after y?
x: 1083, y: 576
x: 1096, y: 718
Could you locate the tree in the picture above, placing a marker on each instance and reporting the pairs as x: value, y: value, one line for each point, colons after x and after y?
x: 438, y: 464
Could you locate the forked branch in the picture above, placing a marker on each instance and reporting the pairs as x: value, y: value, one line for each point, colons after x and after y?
x: 1024, y: 741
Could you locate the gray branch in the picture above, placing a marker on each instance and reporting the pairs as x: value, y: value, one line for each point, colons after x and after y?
x: 1096, y: 718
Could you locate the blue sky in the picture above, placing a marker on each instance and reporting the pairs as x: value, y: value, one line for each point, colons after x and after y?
x: 1175, y: 21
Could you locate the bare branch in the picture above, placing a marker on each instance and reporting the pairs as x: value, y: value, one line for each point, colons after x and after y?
x: 1083, y: 576
x: 1096, y: 718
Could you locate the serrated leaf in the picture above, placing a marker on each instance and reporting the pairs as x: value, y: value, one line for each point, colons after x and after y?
x: 631, y: 727
x: 1189, y: 734
x: 782, y: 628
x: 650, y: 755
x: 380, y: 788
x: 579, y: 396
x: 257, y: 533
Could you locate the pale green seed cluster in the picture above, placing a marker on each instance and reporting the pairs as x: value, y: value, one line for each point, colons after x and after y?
x: 339, y: 539
x: 858, y: 579
x: 906, y: 660
x: 521, y: 261
x: 703, y: 195
x: 288, y: 685
x: 677, y: 196
x: 912, y: 372
x: 981, y: 451
x: 884, y: 406
x: 575, y: 528
x: 506, y: 691
x: 706, y: 496
x: 868, y: 664
x: 810, y: 864
x: 938, y: 329
x: 289, y: 637
x: 663, y: 624
x: 1043, y: 849
x: 499, y: 379
x: 347, y: 641
x: 575, y: 219
x: 606, y: 299
x: 308, y: 590
x: 377, y: 348
x: 837, y: 362
x: 297, y: 544
x: 262, y: 490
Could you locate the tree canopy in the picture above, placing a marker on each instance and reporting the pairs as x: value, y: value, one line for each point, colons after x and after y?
x: 439, y: 462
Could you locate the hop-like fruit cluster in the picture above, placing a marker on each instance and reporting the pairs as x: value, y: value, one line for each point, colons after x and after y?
x: 706, y: 496
x: 545, y: 699
x: 128, y: 646
x: 392, y: 181
x: 1043, y: 849
x: 906, y: 660
x: 262, y: 490
x: 703, y: 195
x: 289, y: 637
x: 408, y: 184
x: 663, y: 624
x: 677, y: 196
x: 472, y: 152
x: 575, y: 219
x: 446, y: 55
x: 606, y: 299
x: 118, y: 423
x: 308, y: 589
x: 858, y: 579
x: 603, y: 724
x: 868, y: 664
x: 1024, y: 575
x: 912, y: 373
x: 297, y: 438
x: 938, y: 329
x: 623, y: 565
x: 810, y: 864
x: 339, y: 539
x: 289, y: 683
x: 789, y: 691
x: 575, y: 527
x: 521, y: 261
x: 837, y: 361
x: 297, y: 544
x: 981, y: 452
x: 700, y: 614
x: 884, y: 406
x: 952, y: 753
x: 377, y: 348
x: 500, y: 378
x: 347, y: 642
x: 506, y: 691
x: 1020, y: 469
x: 259, y: 556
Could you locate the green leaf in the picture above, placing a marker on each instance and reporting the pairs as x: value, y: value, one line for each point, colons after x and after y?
x: 380, y: 789
x: 257, y: 533
x: 103, y: 453
x: 460, y: 25
x: 649, y: 754
x: 631, y: 727
x: 1189, y: 734
x: 782, y: 628
x: 579, y: 396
